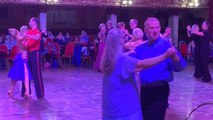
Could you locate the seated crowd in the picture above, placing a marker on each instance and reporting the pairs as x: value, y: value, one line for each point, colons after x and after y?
x: 53, y: 48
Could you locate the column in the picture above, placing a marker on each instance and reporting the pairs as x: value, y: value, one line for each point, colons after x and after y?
x: 113, y: 18
x: 174, y: 24
x: 43, y: 20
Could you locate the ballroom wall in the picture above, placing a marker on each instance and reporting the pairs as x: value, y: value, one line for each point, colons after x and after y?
x: 73, y: 19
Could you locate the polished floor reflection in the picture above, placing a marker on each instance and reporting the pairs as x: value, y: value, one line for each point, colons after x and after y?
x: 75, y: 94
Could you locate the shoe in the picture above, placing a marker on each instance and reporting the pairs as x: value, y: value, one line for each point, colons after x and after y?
x: 197, y: 76
x: 26, y: 95
x: 23, y: 95
x: 9, y: 92
x: 204, y: 80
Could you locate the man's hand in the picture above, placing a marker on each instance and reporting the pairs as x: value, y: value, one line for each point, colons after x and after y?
x: 171, y: 52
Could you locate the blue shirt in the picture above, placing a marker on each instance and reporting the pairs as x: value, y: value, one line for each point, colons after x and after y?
x: 120, y: 95
x: 10, y: 43
x: 84, y: 39
x: 163, y: 70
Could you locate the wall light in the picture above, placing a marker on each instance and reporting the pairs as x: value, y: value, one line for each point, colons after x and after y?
x: 49, y: 1
x: 189, y: 3
x: 124, y: 3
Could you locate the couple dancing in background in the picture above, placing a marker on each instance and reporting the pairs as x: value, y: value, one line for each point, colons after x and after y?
x: 134, y: 38
x: 27, y: 64
x: 201, y: 50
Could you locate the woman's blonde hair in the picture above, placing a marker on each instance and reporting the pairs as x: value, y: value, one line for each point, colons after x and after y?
x: 121, y: 24
x: 138, y: 33
x: 195, y: 28
x: 101, y: 25
x: 112, y: 49
x: 23, y: 29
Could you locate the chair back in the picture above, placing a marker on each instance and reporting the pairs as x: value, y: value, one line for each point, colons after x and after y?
x: 4, y: 49
x: 91, y: 38
x: 69, y: 49
x: 57, y: 46
x: 183, y: 49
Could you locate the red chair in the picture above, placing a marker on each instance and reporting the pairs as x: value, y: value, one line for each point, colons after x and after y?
x: 4, y: 52
x: 49, y: 40
x: 4, y: 49
x: 69, y: 51
x: 91, y: 38
x: 86, y: 58
x: 58, y: 57
x: 183, y: 49
x: 49, y: 51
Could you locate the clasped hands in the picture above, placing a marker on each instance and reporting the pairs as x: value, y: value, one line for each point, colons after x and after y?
x: 171, y: 53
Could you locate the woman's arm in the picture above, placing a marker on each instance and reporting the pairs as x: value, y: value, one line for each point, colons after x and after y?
x: 188, y: 34
x: 188, y: 31
x: 126, y: 32
x: 128, y: 44
x: 19, y: 37
x: 147, y: 63
x: 199, y: 33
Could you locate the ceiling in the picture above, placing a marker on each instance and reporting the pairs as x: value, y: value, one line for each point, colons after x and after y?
x: 136, y: 3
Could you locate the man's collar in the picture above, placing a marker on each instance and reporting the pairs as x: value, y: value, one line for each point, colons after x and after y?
x: 153, y: 41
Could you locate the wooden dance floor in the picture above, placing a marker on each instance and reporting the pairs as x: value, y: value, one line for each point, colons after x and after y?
x: 75, y: 94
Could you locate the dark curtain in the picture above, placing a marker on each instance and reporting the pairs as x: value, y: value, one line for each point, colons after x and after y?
x: 211, y: 13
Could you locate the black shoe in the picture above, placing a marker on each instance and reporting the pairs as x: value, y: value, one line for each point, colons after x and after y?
x: 40, y: 97
x: 206, y: 80
x: 197, y: 76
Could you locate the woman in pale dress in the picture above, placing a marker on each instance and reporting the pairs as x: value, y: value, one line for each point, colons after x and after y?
x: 101, y: 46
